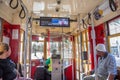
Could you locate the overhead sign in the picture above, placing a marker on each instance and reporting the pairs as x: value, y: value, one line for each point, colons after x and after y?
x: 103, y: 9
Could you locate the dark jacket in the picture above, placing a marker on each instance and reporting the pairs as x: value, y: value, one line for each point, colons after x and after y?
x: 7, y: 69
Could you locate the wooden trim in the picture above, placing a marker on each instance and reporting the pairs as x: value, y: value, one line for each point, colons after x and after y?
x: 74, y: 56
x: 45, y: 49
x: 113, y: 19
x: 111, y: 36
x: 78, y: 44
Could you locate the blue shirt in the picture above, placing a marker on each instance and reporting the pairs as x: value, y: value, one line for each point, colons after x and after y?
x: 106, y: 65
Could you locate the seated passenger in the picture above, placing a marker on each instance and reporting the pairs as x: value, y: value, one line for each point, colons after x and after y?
x: 42, y: 73
x: 106, y: 68
x: 7, y: 66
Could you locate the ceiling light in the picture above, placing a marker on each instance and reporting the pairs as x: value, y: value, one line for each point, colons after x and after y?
x: 58, y: 1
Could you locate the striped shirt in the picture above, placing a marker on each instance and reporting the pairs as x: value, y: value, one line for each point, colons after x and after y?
x: 106, y: 65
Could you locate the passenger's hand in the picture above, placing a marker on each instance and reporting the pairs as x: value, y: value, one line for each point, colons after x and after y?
x: 111, y: 77
x: 0, y: 78
x: 87, y: 73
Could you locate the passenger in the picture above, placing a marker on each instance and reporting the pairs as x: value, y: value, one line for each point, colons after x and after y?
x: 40, y: 72
x: 7, y: 66
x: 106, y: 68
x: 49, y: 61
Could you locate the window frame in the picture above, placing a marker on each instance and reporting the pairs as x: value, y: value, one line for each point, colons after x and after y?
x: 111, y: 35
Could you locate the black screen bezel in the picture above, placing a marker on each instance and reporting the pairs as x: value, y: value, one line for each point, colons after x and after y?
x: 55, y: 25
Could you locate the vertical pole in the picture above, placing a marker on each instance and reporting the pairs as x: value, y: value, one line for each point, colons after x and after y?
x: 63, y: 56
x: 0, y: 29
x: 73, y: 58
x: 25, y: 48
x: 78, y: 41
x: 94, y: 44
x: 81, y: 63
x: 78, y: 57
x: 30, y: 48
x: 25, y: 40
x: 80, y: 46
x: 45, y: 48
x: 48, y: 31
x: 30, y: 51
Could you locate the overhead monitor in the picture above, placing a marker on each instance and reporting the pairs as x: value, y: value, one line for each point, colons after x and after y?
x: 55, y: 21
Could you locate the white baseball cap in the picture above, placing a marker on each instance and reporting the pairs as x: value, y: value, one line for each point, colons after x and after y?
x: 101, y: 47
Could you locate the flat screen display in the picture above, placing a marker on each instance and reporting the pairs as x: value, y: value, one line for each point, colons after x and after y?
x: 55, y: 21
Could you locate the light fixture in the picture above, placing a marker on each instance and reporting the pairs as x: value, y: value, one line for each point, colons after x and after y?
x: 57, y: 9
x: 58, y: 1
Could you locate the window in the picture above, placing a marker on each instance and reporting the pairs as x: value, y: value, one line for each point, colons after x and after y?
x: 68, y: 49
x: 114, y: 39
x: 82, y: 57
x: 37, y: 49
x: 114, y: 26
x: 53, y: 45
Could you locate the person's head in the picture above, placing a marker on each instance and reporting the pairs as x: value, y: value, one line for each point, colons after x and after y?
x: 4, y: 49
x: 41, y: 63
x: 101, y: 50
x: 54, y: 51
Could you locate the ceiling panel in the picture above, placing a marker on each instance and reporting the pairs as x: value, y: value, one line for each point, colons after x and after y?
x: 67, y: 8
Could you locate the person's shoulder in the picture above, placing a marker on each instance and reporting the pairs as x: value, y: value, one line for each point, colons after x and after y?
x: 110, y: 55
x: 3, y: 60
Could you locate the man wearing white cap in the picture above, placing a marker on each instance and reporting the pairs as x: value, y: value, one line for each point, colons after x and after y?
x: 106, y: 68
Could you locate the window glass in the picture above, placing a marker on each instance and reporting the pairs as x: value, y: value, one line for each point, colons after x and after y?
x: 114, y: 39
x: 77, y: 75
x: 63, y: 48
x: 115, y: 48
x: 68, y: 49
x: 52, y: 46
x: 114, y: 26
x: 37, y: 50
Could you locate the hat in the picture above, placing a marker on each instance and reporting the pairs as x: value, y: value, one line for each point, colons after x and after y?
x: 101, y: 47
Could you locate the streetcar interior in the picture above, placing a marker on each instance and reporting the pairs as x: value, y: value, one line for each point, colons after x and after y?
x: 34, y: 28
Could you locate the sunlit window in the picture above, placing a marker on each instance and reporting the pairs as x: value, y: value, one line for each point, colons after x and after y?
x: 67, y: 49
x: 41, y: 38
x: 37, y: 50
x: 114, y: 26
x: 52, y: 46
x: 115, y: 48
x: 114, y: 39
